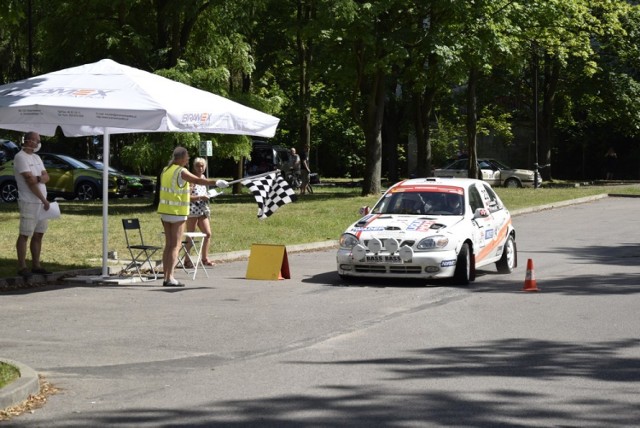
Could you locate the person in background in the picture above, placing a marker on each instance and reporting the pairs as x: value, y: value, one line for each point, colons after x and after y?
x: 610, y: 159
x: 199, y: 213
x: 31, y: 178
x: 173, y: 208
x: 305, y: 169
x: 294, y: 162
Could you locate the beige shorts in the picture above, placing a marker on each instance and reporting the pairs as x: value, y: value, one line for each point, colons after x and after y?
x: 29, y: 223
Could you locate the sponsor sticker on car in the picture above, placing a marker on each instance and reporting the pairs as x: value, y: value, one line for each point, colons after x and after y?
x: 421, y: 225
x: 384, y: 259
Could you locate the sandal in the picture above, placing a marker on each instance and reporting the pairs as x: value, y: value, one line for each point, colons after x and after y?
x: 187, y: 264
x: 208, y: 262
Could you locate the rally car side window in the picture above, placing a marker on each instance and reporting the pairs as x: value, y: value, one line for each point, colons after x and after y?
x: 492, y: 200
x: 475, y: 200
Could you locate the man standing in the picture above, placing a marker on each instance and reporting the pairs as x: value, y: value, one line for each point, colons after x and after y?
x: 294, y: 162
x: 31, y: 178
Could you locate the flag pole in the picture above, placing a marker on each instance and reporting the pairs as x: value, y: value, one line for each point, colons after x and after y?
x: 253, y: 176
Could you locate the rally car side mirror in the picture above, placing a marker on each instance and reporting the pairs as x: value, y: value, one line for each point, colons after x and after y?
x: 480, y: 213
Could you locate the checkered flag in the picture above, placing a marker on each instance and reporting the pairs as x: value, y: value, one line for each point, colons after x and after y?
x: 271, y: 192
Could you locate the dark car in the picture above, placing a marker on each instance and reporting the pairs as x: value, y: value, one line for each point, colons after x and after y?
x: 68, y: 178
x: 266, y: 157
x: 8, y: 150
x: 137, y: 185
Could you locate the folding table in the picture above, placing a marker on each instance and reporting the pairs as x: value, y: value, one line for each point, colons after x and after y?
x: 196, y: 239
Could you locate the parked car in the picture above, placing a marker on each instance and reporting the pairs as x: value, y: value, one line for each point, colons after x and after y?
x: 8, y: 150
x: 68, y: 178
x: 430, y: 228
x: 494, y: 172
x: 137, y: 185
x: 266, y: 157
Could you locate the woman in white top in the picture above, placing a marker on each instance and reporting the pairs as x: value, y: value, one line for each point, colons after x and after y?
x: 199, y: 212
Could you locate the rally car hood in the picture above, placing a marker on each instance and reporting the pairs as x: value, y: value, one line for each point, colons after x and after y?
x: 398, y: 224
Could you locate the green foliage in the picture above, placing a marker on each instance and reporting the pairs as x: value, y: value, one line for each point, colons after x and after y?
x: 248, y: 50
x: 493, y: 121
x: 447, y: 138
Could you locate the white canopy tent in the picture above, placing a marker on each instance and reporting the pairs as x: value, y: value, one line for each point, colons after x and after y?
x: 105, y: 98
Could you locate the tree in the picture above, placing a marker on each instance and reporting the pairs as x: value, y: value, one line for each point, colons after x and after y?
x: 365, y: 47
x: 429, y: 67
x: 15, y: 42
x: 488, y: 39
x: 562, y: 31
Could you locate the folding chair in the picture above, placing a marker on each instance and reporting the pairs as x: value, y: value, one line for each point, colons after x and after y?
x: 143, y: 252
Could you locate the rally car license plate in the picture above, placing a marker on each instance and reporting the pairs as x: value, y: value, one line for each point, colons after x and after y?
x: 384, y: 259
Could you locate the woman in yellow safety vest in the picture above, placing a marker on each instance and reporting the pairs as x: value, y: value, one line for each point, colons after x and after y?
x: 173, y: 208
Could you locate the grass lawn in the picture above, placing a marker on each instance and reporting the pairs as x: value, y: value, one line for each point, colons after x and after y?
x: 75, y: 240
x: 8, y: 374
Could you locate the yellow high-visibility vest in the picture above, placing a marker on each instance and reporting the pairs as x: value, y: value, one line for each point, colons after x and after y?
x: 174, y: 199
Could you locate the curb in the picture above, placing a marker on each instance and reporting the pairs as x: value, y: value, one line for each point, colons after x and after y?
x: 19, y: 390
x: 560, y: 204
x: 244, y: 255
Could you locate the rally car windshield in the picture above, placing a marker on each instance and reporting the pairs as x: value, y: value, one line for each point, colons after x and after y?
x: 421, y: 203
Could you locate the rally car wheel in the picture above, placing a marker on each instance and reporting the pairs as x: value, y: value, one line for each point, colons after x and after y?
x: 462, y: 274
x: 507, y: 262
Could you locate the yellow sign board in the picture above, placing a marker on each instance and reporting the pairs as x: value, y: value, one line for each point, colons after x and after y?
x: 267, y: 261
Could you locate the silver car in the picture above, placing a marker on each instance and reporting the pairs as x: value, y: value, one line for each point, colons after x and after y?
x: 494, y: 172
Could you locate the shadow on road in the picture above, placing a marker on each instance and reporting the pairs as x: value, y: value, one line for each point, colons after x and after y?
x: 375, y: 402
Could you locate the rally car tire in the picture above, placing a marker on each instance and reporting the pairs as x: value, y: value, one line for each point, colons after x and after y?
x: 507, y: 262
x: 462, y: 274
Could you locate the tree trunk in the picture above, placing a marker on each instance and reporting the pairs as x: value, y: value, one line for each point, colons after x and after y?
x: 550, y: 87
x: 304, y: 15
x: 372, y: 121
x: 393, y: 113
x: 472, y: 122
x: 422, y: 108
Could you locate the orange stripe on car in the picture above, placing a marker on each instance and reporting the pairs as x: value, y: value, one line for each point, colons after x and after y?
x: 494, y: 242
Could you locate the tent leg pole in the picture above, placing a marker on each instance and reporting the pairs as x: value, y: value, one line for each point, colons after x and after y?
x: 105, y: 202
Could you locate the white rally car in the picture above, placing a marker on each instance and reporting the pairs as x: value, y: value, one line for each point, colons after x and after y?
x: 430, y: 228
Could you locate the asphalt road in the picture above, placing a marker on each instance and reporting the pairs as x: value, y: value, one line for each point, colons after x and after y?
x: 310, y: 351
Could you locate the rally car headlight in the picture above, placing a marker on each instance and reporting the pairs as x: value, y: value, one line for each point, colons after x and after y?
x: 433, y: 243
x: 348, y: 240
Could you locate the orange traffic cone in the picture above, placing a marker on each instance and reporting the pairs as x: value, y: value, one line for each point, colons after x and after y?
x: 530, y: 278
